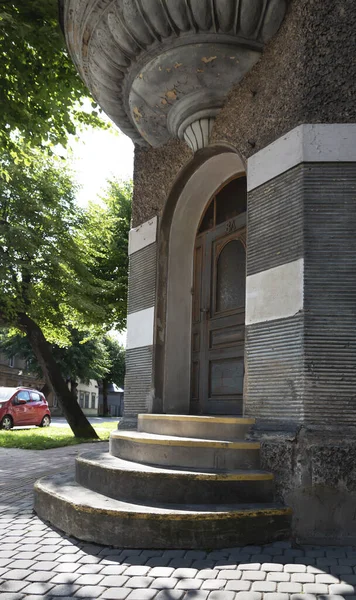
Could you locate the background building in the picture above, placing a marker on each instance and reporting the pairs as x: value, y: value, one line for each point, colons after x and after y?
x: 115, y: 400
x: 14, y: 373
x: 87, y: 396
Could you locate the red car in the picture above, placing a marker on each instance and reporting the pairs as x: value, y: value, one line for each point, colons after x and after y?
x: 23, y: 406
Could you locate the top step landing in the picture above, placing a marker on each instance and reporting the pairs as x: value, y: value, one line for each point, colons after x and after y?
x: 196, y: 426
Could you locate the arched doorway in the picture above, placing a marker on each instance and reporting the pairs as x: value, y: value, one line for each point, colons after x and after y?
x: 178, y: 233
x: 218, y: 311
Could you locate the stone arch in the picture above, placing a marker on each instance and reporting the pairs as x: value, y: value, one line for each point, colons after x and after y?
x: 185, y: 206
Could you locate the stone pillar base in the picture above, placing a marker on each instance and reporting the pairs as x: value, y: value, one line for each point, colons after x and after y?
x: 127, y: 423
x: 315, y: 475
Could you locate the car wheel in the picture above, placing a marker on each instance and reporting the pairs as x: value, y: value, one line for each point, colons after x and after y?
x: 46, y: 421
x: 7, y: 423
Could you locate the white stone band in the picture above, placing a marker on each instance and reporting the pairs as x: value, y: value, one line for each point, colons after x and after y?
x: 140, y: 328
x: 143, y: 235
x: 306, y: 143
x: 276, y: 293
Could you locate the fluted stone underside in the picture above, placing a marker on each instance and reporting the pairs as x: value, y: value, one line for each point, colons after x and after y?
x: 158, y: 66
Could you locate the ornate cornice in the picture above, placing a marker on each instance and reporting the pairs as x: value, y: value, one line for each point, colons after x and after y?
x: 162, y: 68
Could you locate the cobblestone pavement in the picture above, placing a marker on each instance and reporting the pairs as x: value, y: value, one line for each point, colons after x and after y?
x: 38, y: 562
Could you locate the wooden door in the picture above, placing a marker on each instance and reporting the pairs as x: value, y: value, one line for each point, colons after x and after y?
x: 218, y: 329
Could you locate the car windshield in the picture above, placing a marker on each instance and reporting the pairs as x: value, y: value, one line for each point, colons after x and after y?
x: 6, y: 393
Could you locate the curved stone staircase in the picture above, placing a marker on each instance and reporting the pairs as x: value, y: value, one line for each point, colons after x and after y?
x: 178, y: 482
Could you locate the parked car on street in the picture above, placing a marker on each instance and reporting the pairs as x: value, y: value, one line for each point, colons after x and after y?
x: 23, y: 406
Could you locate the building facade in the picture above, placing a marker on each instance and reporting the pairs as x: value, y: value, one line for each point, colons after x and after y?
x: 242, y: 285
x: 87, y: 396
x: 14, y: 373
x: 115, y: 400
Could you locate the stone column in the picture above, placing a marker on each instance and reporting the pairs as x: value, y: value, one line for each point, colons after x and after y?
x: 140, y: 319
x: 301, y: 324
x: 301, y: 278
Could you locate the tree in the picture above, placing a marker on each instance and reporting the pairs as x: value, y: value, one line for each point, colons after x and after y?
x: 40, y: 92
x: 106, y: 235
x: 116, y: 373
x: 84, y: 358
x: 60, y: 268
x: 50, y: 283
x: 45, y: 286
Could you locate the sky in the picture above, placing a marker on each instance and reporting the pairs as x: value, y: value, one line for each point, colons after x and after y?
x: 98, y: 155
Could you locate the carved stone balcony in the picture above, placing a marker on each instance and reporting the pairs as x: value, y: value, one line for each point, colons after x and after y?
x: 163, y: 68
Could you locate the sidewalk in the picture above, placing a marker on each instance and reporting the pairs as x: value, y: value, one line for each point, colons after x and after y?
x: 62, y: 422
x: 38, y: 562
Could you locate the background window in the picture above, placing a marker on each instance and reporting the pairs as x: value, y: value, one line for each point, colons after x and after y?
x: 86, y: 403
x: 81, y: 399
x: 93, y: 400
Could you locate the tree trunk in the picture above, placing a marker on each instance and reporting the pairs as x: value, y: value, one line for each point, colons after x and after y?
x: 77, y: 420
x: 46, y: 389
x: 74, y: 388
x: 105, y: 398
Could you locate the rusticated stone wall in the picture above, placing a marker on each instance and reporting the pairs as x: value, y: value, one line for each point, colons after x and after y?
x: 154, y: 174
x: 315, y: 476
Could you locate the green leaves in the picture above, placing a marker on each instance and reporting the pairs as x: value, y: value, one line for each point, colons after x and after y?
x: 104, y: 238
x: 116, y: 353
x: 39, y: 263
x: 40, y: 92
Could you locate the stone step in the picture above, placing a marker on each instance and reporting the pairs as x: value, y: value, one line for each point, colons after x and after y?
x: 191, y: 453
x: 96, y: 518
x: 199, y: 427
x: 129, y: 481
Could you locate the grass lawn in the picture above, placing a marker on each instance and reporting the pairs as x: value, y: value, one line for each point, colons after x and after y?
x: 50, y: 437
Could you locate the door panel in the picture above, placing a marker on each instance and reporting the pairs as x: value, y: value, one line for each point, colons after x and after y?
x: 218, y: 331
x: 226, y: 377
x: 230, y: 276
x: 36, y: 408
x: 20, y: 411
x: 227, y: 335
x: 196, y: 324
x: 195, y: 382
